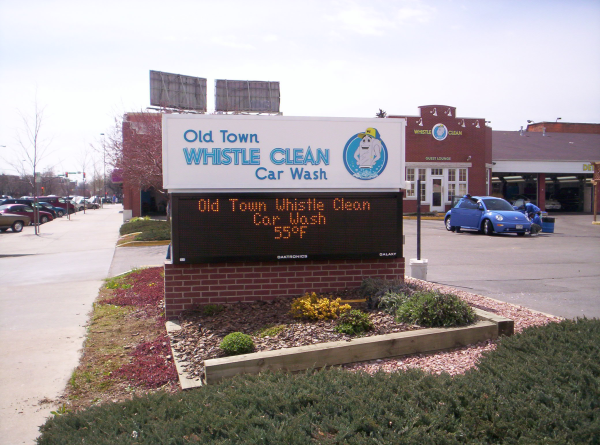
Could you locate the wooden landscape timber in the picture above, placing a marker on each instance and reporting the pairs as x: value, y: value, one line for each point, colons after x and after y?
x: 488, y: 327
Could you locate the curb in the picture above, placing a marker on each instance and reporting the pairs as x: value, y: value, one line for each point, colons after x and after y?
x: 144, y: 243
x: 184, y: 381
x: 429, y: 218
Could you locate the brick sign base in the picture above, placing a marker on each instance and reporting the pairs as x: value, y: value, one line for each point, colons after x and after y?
x: 189, y: 286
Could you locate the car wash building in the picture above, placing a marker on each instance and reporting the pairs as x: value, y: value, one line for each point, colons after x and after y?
x: 549, y: 164
x: 451, y: 156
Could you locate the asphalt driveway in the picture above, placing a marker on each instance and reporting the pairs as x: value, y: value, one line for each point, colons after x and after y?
x: 557, y: 273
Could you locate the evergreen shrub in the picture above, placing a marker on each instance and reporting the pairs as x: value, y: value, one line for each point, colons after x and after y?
x: 271, y: 330
x: 353, y: 322
x: 237, y: 343
x: 314, y: 307
x: 144, y: 225
x: 433, y: 309
x: 160, y: 232
x: 373, y: 289
x: 212, y: 309
x: 538, y: 387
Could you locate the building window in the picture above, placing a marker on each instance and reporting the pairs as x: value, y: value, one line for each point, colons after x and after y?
x: 410, y: 177
x: 457, y: 188
x: 437, y: 172
x: 451, y: 190
x: 423, y: 178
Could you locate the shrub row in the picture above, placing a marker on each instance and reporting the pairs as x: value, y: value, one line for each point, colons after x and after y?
x: 541, y: 386
x: 152, y: 230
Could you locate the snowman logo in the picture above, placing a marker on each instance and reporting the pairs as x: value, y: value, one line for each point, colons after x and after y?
x: 440, y: 132
x: 365, y: 155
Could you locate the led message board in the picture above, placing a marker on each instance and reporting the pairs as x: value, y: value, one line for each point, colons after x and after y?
x: 285, y: 226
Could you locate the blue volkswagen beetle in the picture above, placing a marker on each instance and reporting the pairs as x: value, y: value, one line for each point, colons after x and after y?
x: 487, y: 214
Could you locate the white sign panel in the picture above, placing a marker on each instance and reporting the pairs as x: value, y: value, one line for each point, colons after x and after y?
x: 280, y: 153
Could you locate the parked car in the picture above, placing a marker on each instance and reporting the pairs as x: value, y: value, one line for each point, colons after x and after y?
x: 57, y: 201
x: 91, y: 205
x: 486, y: 214
x: 13, y: 221
x: 31, y: 203
x: 78, y: 201
x: 15, y: 201
x: 25, y: 210
x: 82, y: 202
x: 47, y: 206
x: 519, y: 200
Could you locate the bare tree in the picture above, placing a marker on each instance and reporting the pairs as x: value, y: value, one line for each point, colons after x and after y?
x: 32, y: 149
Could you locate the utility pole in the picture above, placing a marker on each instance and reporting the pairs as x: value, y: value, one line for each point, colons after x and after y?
x: 104, y: 171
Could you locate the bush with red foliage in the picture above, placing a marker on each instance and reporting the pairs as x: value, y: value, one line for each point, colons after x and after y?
x: 152, y: 366
x: 146, y: 291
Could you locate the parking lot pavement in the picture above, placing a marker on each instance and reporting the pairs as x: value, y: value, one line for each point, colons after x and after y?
x: 49, y: 283
x: 556, y: 273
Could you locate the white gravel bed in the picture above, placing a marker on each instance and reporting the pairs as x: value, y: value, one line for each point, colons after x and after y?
x: 458, y: 361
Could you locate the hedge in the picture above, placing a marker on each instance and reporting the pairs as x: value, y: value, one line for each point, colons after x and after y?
x: 540, y: 386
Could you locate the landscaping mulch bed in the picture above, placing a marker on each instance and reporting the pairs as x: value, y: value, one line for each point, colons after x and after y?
x: 200, y: 335
x: 127, y: 348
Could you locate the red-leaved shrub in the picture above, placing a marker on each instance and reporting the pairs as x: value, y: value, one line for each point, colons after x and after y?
x: 152, y: 365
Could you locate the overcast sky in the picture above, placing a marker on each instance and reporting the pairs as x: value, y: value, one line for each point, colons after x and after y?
x: 86, y: 62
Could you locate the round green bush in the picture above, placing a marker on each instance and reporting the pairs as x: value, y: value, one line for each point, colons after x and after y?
x: 353, y: 322
x: 237, y: 343
x: 433, y: 309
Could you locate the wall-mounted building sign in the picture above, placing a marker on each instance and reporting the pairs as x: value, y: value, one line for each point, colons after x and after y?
x: 278, y: 153
x: 439, y: 132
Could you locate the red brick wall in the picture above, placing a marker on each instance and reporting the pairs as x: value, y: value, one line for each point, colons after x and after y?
x: 131, y: 199
x: 564, y: 127
x: 474, y: 141
x: 191, y: 285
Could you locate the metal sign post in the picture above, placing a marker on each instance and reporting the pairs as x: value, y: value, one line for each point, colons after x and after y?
x: 418, y: 219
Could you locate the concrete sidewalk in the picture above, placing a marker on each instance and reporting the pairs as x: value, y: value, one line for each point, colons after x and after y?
x: 49, y: 283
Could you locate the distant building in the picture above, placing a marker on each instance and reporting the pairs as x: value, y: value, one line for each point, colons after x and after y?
x: 142, y: 135
x: 451, y: 155
x: 549, y: 161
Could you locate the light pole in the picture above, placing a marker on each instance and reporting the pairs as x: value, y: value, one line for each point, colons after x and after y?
x: 104, y: 171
